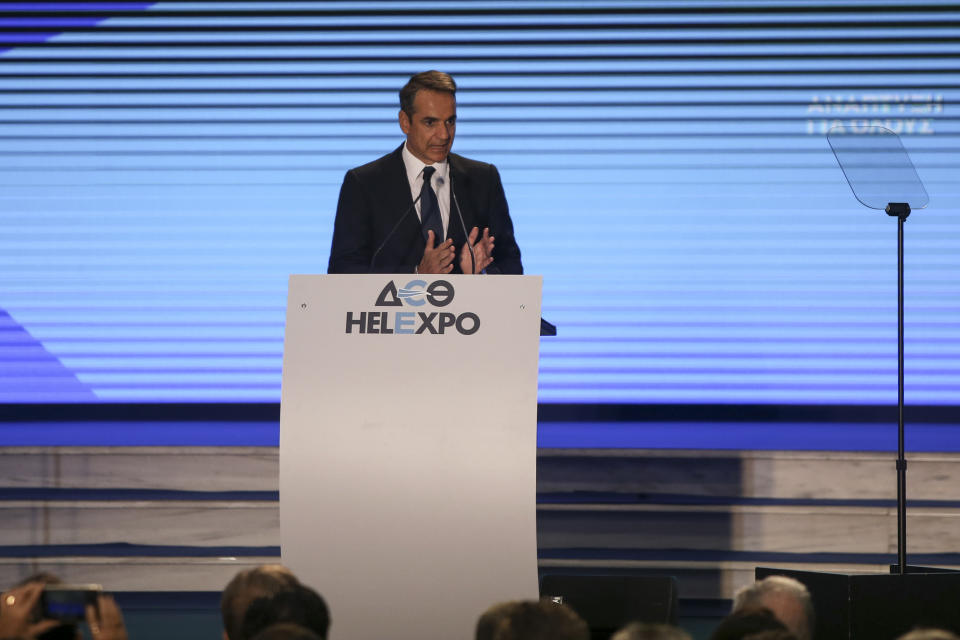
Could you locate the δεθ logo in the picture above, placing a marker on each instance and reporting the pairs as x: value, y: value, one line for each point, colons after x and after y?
x: 417, y: 293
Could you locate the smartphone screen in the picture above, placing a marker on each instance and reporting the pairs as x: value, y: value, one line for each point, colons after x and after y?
x: 68, y: 602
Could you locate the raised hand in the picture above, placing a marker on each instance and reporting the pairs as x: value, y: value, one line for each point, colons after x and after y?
x: 105, y: 620
x: 437, y: 259
x: 17, y: 612
x: 482, y: 251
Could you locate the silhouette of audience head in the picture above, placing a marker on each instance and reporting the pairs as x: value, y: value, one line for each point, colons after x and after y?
x: 786, y: 598
x: 645, y: 631
x: 531, y: 620
x: 929, y: 634
x: 247, y: 586
x: 299, y: 605
x: 752, y: 624
x: 286, y: 631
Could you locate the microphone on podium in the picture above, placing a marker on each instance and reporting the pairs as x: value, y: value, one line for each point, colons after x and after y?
x: 463, y: 225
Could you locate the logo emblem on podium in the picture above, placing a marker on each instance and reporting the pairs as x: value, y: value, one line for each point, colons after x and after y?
x: 416, y: 293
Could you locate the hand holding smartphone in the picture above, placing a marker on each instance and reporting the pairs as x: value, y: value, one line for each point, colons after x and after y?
x: 68, y: 602
x: 105, y: 620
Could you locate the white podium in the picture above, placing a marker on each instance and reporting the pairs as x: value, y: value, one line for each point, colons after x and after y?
x: 408, y: 448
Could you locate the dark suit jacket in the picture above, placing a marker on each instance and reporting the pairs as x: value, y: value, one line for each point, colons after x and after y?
x: 375, y: 196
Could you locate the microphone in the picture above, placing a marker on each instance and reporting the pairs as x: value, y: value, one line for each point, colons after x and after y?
x: 373, y: 259
x: 463, y: 225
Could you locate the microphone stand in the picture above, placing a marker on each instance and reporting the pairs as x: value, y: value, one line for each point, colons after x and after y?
x: 463, y: 225
x: 392, y: 231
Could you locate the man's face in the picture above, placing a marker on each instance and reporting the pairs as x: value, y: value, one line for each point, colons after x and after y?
x: 431, y: 128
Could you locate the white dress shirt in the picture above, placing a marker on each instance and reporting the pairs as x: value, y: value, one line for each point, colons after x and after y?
x: 440, y: 182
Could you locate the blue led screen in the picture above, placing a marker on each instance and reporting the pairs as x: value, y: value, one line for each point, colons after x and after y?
x: 166, y: 166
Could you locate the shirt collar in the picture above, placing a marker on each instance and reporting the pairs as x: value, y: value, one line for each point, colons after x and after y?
x: 414, y: 166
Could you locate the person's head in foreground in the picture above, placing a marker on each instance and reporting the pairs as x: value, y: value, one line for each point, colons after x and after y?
x: 929, y: 634
x: 786, y: 598
x: 286, y: 631
x: 646, y: 631
x: 752, y: 624
x: 245, y: 587
x: 300, y: 605
x: 531, y: 620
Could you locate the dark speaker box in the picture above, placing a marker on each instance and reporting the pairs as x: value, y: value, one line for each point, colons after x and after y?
x: 879, y: 606
x: 609, y: 602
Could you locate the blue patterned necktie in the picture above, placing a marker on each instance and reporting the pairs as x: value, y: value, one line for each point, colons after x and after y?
x: 430, y: 209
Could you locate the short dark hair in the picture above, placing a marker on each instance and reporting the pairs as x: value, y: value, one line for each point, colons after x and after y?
x: 286, y: 631
x: 430, y: 80
x: 301, y: 606
x: 531, y: 620
x: 489, y: 619
x: 247, y: 586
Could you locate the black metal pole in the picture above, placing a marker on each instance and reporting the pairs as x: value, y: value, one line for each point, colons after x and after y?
x: 901, y: 210
x: 901, y: 453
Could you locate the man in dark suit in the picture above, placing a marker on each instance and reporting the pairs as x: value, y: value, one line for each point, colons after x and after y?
x: 402, y: 212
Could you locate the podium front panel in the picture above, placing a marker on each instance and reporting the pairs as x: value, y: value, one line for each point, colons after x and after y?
x: 408, y: 448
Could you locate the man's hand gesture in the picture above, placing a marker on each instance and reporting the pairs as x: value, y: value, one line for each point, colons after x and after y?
x: 439, y: 259
x: 482, y: 251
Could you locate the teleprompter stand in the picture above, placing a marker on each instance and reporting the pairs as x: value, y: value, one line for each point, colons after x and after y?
x: 880, y: 606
